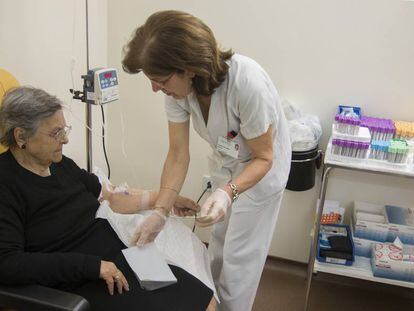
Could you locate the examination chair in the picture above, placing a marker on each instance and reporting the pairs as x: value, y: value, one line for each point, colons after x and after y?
x: 34, y: 297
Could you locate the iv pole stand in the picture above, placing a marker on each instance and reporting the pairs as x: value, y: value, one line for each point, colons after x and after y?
x: 88, y: 84
x: 88, y: 108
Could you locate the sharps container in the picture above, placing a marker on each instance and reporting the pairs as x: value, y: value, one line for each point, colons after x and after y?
x: 303, y: 169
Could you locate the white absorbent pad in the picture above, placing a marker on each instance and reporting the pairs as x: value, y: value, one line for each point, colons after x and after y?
x: 148, y: 255
x: 176, y: 242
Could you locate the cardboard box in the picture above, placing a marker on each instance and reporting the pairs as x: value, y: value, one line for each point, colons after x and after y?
x: 362, y: 247
x: 370, y: 230
x: 387, y: 262
x: 401, y: 223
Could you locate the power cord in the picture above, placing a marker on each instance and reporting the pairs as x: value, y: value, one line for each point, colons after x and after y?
x: 202, y: 194
x: 103, y: 143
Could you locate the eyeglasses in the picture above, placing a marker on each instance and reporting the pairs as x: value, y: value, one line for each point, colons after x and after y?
x: 164, y: 81
x: 61, y: 134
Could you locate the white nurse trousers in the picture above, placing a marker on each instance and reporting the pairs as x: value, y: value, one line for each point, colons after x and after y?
x: 238, y: 249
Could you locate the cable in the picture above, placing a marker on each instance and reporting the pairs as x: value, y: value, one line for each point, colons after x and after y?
x: 205, y: 190
x: 103, y: 142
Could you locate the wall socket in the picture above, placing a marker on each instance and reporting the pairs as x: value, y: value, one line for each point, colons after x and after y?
x: 206, y: 180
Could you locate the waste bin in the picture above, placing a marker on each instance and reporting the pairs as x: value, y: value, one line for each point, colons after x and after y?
x: 303, y: 169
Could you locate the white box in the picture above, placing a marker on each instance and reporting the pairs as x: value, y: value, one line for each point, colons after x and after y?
x: 362, y: 247
x: 387, y: 262
x: 370, y: 230
x: 401, y: 223
x: 363, y: 135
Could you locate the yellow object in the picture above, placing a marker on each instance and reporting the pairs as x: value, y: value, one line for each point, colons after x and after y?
x: 404, y: 129
x: 7, y: 81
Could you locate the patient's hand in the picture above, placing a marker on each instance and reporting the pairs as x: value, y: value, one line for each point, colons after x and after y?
x: 185, y: 207
x: 113, y: 276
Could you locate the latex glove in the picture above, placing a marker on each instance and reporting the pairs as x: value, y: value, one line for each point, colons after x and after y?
x: 214, y: 209
x: 149, y: 228
x: 185, y: 207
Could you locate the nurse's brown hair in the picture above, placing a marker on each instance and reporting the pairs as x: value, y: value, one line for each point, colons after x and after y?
x: 172, y: 42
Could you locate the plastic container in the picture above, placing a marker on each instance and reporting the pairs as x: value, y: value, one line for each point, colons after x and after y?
x: 337, y: 260
x: 303, y: 169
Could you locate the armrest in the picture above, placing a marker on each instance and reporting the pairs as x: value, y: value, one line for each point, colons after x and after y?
x: 37, y: 298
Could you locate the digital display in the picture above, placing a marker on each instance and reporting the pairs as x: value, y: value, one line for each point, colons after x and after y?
x: 108, y: 75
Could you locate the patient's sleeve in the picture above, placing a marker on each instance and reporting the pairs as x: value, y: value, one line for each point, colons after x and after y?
x: 91, y: 181
x: 20, y: 267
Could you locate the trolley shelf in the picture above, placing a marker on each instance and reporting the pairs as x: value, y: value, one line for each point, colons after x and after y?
x: 368, y: 165
x: 361, y: 269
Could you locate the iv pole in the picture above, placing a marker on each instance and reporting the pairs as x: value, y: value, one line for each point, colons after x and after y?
x: 88, y: 108
x: 88, y: 95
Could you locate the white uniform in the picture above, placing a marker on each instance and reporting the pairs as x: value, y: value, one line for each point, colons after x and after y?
x: 247, y: 103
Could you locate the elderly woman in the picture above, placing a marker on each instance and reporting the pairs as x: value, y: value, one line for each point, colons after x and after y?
x: 48, y: 231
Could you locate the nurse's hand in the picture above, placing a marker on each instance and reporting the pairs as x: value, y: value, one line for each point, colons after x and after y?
x: 214, y: 209
x: 150, y: 227
x: 185, y: 207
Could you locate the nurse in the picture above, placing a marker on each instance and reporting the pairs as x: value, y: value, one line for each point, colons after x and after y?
x: 235, y: 107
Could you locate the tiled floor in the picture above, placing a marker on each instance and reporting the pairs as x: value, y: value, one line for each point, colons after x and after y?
x: 282, y: 288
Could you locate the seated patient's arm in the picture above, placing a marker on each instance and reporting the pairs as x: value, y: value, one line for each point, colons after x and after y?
x: 19, y: 266
x: 129, y: 203
x: 138, y: 199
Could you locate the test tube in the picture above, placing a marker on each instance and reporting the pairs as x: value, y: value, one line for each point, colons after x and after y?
x: 334, y: 146
x: 392, y: 154
x: 405, y: 156
x: 398, y: 155
x: 384, y: 151
x: 349, y: 148
x: 358, y: 150
x: 344, y: 147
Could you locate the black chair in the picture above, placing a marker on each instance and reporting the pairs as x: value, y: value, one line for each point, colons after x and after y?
x: 40, y: 298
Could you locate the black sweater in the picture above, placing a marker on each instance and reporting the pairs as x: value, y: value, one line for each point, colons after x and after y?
x: 48, y: 231
x: 49, y: 236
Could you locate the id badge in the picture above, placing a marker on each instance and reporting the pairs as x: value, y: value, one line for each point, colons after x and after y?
x: 228, y: 147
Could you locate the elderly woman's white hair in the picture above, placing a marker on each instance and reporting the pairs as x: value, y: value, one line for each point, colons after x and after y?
x: 25, y: 107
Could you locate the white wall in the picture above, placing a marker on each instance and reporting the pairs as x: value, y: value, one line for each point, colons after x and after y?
x: 40, y: 41
x: 318, y: 53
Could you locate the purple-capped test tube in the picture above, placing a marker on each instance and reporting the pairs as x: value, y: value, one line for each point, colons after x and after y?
x: 344, y: 146
x: 364, y: 150
x: 354, y: 145
x: 360, y: 150
x: 338, y: 146
x: 349, y: 150
x: 334, y: 146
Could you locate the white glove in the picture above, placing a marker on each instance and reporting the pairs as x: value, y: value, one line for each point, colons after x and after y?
x: 214, y: 209
x: 149, y: 228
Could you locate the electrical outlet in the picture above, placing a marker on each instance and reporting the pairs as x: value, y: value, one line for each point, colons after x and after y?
x: 206, y: 180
